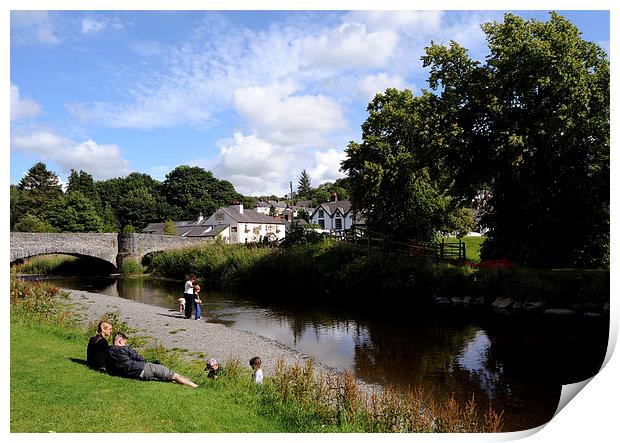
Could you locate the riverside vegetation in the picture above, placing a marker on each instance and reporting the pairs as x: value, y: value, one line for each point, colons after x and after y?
x: 52, y: 392
x: 344, y: 273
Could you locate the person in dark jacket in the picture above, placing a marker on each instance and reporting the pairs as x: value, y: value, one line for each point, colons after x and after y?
x: 124, y: 361
x: 97, y: 349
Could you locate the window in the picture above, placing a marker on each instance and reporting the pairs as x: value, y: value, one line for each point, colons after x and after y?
x: 321, y: 213
x: 322, y: 223
x: 233, y: 229
x: 338, y: 223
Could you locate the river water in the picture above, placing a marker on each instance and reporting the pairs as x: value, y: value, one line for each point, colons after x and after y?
x: 514, y: 363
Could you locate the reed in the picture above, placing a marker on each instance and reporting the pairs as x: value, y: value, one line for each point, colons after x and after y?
x: 339, y: 399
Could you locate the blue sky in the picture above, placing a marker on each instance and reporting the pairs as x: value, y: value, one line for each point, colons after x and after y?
x: 253, y: 96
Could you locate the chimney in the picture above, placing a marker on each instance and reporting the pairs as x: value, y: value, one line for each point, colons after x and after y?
x: 334, y: 197
x: 200, y: 217
x: 237, y: 206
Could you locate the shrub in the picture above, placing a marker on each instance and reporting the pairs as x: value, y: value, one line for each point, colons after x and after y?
x: 132, y: 267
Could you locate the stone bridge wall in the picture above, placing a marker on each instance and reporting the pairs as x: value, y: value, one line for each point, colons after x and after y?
x: 111, y: 247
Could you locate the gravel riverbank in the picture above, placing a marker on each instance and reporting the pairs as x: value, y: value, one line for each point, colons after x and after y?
x: 167, y: 327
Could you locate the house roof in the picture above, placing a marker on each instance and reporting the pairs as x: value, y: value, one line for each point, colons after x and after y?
x: 202, y: 231
x: 331, y: 207
x: 270, y: 203
x: 250, y: 216
x: 192, y: 228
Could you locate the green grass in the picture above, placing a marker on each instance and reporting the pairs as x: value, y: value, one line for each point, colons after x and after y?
x: 472, y: 246
x: 45, y: 264
x: 53, y: 392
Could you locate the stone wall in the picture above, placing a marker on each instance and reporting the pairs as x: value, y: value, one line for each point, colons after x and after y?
x: 25, y: 244
x: 111, y: 247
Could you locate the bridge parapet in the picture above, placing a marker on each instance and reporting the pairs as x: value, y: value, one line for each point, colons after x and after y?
x: 111, y: 247
x: 100, y: 245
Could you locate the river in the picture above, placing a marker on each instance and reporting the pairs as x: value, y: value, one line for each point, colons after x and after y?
x: 514, y: 363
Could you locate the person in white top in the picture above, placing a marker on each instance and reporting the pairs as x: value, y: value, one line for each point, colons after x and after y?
x: 188, y: 294
x: 257, y: 375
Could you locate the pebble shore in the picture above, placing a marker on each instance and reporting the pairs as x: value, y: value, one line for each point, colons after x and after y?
x: 169, y: 328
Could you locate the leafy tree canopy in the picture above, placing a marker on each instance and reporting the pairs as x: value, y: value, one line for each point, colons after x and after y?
x: 193, y: 190
x: 530, y: 125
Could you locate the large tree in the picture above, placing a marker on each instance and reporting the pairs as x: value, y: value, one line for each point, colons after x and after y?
x: 36, y: 190
x: 534, y: 129
x: 74, y: 212
x: 193, y: 190
x: 84, y: 183
x: 395, y: 177
x: 530, y: 125
x: 304, y: 187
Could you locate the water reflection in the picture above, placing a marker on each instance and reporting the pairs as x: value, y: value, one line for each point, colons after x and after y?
x: 513, y: 364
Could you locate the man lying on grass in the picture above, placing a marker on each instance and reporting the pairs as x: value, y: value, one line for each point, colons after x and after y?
x: 126, y: 362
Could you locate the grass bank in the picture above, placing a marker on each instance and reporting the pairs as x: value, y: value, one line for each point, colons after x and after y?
x: 340, y: 272
x: 53, y: 391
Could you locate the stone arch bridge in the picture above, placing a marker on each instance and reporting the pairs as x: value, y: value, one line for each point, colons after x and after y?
x: 110, y: 247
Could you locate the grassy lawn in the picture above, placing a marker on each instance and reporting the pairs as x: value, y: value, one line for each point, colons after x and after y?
x: 51, y: 390
x: 472, y: 246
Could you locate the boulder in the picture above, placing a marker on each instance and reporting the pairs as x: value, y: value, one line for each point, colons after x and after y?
x: 533, y: 305
x: 503, y: 302
x: 592, y: 315
x: 560, y: 312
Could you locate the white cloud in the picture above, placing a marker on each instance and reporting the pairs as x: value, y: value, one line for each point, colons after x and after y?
x: 326, y: 166
x: 102, y: 161
x: 282, y: 118
x: 91, y: 25
x: 418, y: 21
x: 95, y: 24
x: 372, y: 84
x: 255, y: 166
x: 20, y: 107
x: 350, y: 45
x: 29, y: 27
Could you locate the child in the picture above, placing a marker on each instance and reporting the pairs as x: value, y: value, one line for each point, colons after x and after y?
x: 181, y: 305
x: 212, y: 369
x: 257, y: 376
x: 197, y: 301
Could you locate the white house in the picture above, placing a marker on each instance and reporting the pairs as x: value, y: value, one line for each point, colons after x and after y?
x: 264, y: 207
x: 334, y: 215
x: 246, y: 226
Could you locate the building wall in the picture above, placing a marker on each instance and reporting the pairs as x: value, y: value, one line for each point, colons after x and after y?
x: 330, y: 222
x: 237, y: 231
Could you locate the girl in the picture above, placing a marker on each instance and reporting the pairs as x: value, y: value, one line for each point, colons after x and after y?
x: 197, y: 301
x: 257, y: 376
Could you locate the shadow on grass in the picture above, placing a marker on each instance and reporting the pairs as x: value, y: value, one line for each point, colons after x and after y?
x: 85, y: 363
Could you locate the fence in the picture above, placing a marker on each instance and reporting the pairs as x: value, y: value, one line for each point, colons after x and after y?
x: 374, y: 243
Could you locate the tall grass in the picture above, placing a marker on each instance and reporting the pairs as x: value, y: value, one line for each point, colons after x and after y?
x: 61, y: 264
x: 340, y: 400
x: 46, y: 264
